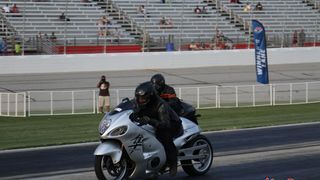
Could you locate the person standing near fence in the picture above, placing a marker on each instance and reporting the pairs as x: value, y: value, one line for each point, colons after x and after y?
x: 104, y: 95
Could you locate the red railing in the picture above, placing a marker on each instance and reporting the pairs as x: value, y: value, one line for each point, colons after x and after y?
x: 98, y: 49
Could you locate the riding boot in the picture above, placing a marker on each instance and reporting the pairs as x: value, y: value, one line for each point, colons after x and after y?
x: 173, y: 170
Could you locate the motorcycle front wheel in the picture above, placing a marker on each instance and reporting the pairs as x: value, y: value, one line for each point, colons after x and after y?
x: 201, y: 165
x: 106, y: 170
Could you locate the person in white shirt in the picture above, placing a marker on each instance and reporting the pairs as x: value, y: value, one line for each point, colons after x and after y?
x: 6, y: 8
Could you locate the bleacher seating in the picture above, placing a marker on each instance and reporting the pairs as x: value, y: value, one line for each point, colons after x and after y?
x: 43, y: 16
x: 279, y: 16
x: 192, y: 26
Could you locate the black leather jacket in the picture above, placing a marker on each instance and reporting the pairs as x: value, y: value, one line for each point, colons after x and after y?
x: 169, y: 95
x: 161, y: 115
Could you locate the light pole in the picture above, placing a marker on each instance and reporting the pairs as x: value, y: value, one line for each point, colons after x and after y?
x: 24, y: 24
x: 106, y: 30
x: 181, y: 25
x: 65, y: 29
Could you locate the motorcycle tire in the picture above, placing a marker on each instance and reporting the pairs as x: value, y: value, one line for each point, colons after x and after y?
x: 191, y: 167
x: 106, y: 170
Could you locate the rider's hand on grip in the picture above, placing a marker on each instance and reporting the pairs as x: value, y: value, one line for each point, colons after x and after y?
x: 143, y: 120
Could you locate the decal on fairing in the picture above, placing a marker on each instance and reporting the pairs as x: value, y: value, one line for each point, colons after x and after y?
x: 137, y: 142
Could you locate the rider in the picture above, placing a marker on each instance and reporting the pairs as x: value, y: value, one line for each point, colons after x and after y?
x: 151, y: 109
x: 166, y: 92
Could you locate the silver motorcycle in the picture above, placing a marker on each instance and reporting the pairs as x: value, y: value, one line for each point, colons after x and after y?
x: 130, y: 150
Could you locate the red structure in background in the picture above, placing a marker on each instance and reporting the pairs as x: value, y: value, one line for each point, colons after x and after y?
x: 98, y: 49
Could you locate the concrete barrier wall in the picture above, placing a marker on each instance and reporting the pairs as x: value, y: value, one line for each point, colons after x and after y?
x: 154, y: 60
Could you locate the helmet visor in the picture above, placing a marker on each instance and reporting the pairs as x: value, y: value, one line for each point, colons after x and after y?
x: 142, y: 100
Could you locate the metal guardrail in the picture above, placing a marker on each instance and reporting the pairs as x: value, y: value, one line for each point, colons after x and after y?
x: 13, y: 104
x: 43, y: 103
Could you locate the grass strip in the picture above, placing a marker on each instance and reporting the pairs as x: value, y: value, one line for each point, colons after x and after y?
x: 57, y: 130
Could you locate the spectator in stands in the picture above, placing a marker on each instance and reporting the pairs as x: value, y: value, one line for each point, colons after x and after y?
x: 235, y: 1
x: 53, y: 37
x: 85, y: 1
x: 141, y: 10
x: 17, y: 48
x: 6, y: 8
x: 295, y: 39
x: 222, y: 44
x: 217, y: 39
x: 169, y: 23
x: 259, y: 7
x: 163, y: 1
x: 102, y: 25
x: 163, y: 22
x: 204, y: 10
x: 46, y: 37
x: 193, y: 46
x: 197, y: 10
x: 39, y: 36
x: 247, y: 7
x: 63, y: 17
x: 117, y: 34
x: 302, y: 38
x: 3, y: 46
x: 14, y: 9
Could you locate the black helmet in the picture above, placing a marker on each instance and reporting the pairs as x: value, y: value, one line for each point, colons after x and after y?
x: 144, y: 93
x: 103, y: 77
x: 158, y: 82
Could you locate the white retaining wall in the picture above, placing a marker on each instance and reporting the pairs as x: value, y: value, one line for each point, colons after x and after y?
x: 150, y: 60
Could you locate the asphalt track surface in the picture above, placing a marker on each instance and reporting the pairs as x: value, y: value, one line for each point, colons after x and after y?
x: 279, y: 152
x: 231, y: 75
x: 252, y: 154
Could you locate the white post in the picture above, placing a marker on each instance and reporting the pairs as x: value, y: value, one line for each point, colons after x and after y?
x: 237, y: 97
x: 271, y: 95
x: 219, y: 98
x: 29, y: 103
x: 51, y: 103
x: 72, y: 101
x: 16, y: 105
x: 216, y: 96
x: 290, y: 93
x: 94, y: 101
x: 198, y: 97
x: 307, y: 92
x: 24, y: 104
x: 253, y: 95
x: 274, y: 95
x: 8, y: 104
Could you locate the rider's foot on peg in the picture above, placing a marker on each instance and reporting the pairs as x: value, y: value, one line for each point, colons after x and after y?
x: 173, y: 170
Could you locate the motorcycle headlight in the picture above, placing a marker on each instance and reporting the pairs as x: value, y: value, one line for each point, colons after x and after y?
x: 104, y: 125
x: 119, y: 131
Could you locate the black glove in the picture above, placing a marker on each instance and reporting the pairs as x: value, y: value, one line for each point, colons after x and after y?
x: 143, y: 120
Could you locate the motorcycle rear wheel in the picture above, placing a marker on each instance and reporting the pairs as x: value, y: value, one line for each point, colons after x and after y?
x: 197, y: 167
x: 106, y: 170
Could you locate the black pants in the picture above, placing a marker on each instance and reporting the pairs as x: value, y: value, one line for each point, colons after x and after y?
x: 166, y: 139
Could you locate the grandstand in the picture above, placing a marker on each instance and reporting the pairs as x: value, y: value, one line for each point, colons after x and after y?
x: 280, y: 18
x: 189, y: 25
x: 82, y: 29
